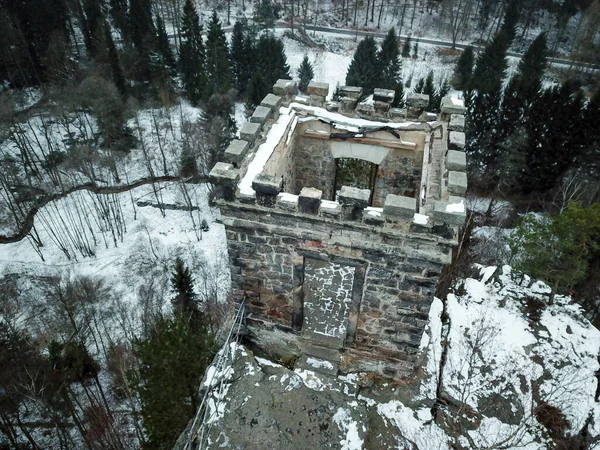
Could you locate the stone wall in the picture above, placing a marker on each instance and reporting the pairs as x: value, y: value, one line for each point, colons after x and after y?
x: 394, y: 275
x: 314, y: 165
x: 400, y: 174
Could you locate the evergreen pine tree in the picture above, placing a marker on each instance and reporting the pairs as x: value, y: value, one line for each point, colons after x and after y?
x: 173, y: 356
x: 93, y: 27
x: 305, y: 74
x: 142, y: 34
x: 406, y: 48
x: 463, y: 69
x: 441, y: 92
x: 429, y: 89
x: 415, y: 50
x: 418, y: 89
x: 399, y: 101
x: 191, y: 57
x: 217, y: 67
x: 113, y: 59
x: 271, y: 65
x: 590, y: 157
x: 363, y: 70
x: 389, y: 61
x: 185, y: 300
x: 118, y: 13
x: 238, y: 55
x: 266, y: 13
x: 162, y: 44
x: 554, y: 129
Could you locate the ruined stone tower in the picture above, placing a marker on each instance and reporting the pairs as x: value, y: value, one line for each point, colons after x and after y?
x: 342, y: 273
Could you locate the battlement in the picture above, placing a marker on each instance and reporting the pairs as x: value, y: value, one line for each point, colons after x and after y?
x: 339, y: 218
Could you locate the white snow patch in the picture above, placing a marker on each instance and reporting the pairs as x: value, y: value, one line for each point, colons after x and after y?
x: 265, y: 150
x: 344, y: 421
x: 456, y: 207
x: 319, y: 363
x: 420, y: 219
x: 266, y: 362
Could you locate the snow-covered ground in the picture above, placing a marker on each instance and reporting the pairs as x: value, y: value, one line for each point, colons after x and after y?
x: 504, y: 360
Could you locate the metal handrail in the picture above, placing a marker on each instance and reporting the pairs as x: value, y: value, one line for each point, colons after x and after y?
x: 224, y: 357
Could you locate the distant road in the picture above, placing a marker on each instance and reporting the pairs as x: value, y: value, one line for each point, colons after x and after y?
x: 438, y: 42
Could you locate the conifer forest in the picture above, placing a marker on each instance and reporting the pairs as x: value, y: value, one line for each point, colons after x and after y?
x: 114, y: 273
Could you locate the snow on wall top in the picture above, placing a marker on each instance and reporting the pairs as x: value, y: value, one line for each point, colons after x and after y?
x: 264, y: 152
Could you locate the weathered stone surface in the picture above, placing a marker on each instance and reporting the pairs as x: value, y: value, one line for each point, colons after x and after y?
x: 236, y: 151
x: 330, y: 209
x: 261, y: 114
x: 268, y: 406
x: 373, y: 216
x: 399, y: 208
x: 456, y: 140
x: 351, y: 91
x: 457, y: 183
x: 271, y: 101
x: 316, y: 100
x: 453, y: 212
x: 309, y: 200
x: 452, y: 106
x: 381, y: 107
x: 287, y: 202
x: 267, y: 184
x: 383, y: 95
x: 365, y: 109
x: 417, y: 101
x: 348, y: 104
x: 398, y: 113
x: 457, y: 122
x: 250, y: 131
x: 224, y: 173
x: 427, y: 117
x: 285, y: 87
x: 354, y: 196
x: 332, y: 106
x: 456, y: 161
x: 320, y: 89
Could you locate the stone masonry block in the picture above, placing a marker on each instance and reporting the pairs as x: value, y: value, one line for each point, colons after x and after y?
x: 236, y: 151
x: 224, y: 173
x: 261, y: 114
x: 353, y: 202
x: 381, y: 107
x: 457, y: 122
x: 417, y: 101
x: 452, y: 106
x: 348, y: 104
x: 271, y: 101
x: 384, y: 95
x: 287, y: 202
x: 452, y: 212
x: 320, y: 89
x: 457, y: 183
x: 267, y: 184
x: 330, y: 209
x: 399, y: 208
x: 309, y: 200
x: 250, y: 131
x: 354, y: 196
x: 399, y: 113
x: 364, y: 108
x: 456, y: 161
x: 351, y: 91
x: 316, y: 100
x: 456, y: 140
x: 332, y: 106
x: 285, y: 87
x: 267, y: 187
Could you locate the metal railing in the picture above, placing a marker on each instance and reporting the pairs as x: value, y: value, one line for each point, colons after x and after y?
x: 200, y: 429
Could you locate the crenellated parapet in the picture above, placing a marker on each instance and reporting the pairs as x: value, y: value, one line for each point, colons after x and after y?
x: 295, y: 231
